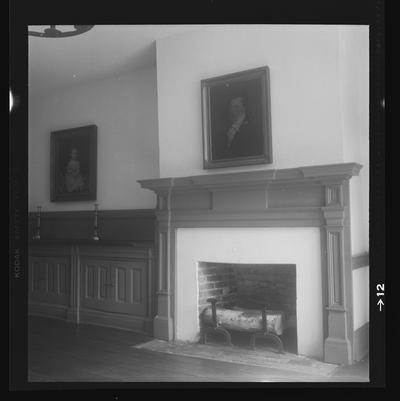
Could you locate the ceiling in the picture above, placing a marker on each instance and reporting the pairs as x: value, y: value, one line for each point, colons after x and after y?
x: 105, y: 50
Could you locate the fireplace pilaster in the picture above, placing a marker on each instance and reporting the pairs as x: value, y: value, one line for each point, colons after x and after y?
x: 337, y: 345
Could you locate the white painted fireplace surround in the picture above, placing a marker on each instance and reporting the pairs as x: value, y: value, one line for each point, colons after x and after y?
x: 253, y: 245
x: 297, y: 216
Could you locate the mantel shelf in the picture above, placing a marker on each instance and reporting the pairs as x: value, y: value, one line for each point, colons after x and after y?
x: 256, y: 178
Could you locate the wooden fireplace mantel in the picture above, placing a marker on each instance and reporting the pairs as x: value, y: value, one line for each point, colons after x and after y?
x: 310, y: 196
x: 284, y: 197
x: 254, y: 178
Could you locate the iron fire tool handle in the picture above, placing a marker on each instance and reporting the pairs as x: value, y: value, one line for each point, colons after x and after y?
x: 213, y: 302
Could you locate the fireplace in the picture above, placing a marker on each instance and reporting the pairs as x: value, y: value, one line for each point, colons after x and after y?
x: 252, y: 246
x: 296, y: 217
x: 272, y: 285
x: 250, y: 286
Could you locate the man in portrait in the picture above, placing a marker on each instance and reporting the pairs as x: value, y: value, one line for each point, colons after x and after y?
x: 240, y: 135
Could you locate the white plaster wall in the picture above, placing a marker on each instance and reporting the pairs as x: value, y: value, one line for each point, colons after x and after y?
x: 360, y: 296
x: 124, y: 108
x: 319, y: 98
x: 305, y: 91
x: 359, y: 222
x: 300, y: 246
x: 354, y: 72
x: 354, y: 95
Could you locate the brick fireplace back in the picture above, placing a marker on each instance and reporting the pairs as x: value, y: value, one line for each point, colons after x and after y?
x: 273, y: 285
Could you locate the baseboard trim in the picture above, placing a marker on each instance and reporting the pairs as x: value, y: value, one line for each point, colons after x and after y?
x: 48, y: 310
x: 337, y: 351
x: 126, y: 322
x: 87, y: 316
x: 361, y: 342
x: 163, y: 328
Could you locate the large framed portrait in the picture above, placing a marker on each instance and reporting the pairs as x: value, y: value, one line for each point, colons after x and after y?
x: 237, y: 119
x: 73, y: 164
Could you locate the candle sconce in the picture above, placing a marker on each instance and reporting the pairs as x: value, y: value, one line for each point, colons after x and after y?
x: 96, y: 226
x: 37, y: 235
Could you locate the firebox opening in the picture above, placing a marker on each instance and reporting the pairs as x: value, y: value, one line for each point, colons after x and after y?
x: 250, y: 286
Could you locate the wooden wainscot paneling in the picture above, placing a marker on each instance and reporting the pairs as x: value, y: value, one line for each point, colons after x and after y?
x: 107, y: 282
x: 116, y: 225
x: 118, y: 281
x: 50, y: 280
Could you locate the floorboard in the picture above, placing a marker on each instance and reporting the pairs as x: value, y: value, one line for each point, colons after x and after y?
x: 65, y: 352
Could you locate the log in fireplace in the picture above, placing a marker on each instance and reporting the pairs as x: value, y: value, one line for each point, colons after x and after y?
x: 259, y: 323
x: 256, y: 299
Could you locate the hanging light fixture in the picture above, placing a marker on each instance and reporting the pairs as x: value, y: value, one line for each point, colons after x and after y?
x: 52, y: 32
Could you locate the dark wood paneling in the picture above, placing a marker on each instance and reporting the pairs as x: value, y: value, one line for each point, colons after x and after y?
x: 114, y: 282
x: 49, y: 279
x: 116, y: 225
x: 115, y: 286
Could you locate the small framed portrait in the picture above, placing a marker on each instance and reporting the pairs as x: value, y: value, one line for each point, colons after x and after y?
x: 236, y: 119
x: 73, y: 164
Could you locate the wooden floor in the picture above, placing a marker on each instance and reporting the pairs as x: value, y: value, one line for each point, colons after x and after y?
x: 65, y: 352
